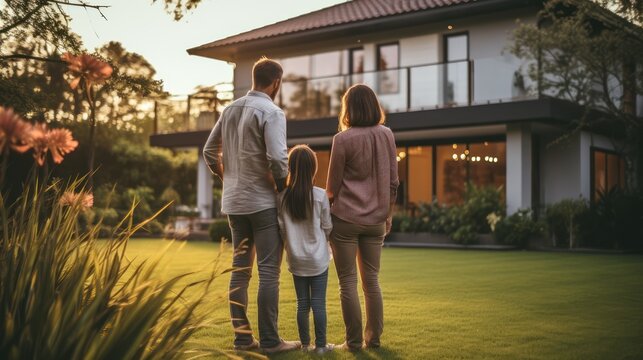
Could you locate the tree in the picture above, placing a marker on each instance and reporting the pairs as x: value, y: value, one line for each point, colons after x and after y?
x: 591, y: 53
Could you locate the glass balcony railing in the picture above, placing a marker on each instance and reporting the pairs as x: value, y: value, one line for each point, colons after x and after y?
x: 195, y: 112
x: 424, y: 87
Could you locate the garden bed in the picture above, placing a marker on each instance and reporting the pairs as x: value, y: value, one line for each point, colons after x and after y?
x: 433, y: 240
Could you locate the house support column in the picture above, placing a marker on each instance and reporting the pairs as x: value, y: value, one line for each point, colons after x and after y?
x: 519, y: 167
x: 203, y: 187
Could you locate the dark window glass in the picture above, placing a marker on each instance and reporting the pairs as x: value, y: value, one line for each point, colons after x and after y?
x: 357, y: 61
x: 599, y: 173
x: 609, y: 172
x: 387, y: 64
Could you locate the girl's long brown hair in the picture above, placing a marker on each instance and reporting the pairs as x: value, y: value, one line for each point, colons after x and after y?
x: 298, y: 197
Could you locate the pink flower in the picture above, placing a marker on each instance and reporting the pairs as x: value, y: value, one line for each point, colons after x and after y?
x: 14, y: 131
x: 87, y: 67
x: 83, y: 199
x: 58, y: 141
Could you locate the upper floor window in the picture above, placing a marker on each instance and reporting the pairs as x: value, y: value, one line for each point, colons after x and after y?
x: 456, y: 73
x: 456, y: 47
x: 356, y: 65
x: 388, y: 62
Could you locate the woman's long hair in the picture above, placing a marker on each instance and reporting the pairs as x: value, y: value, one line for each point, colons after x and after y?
x: 360, y: 107
x: 298, y: 197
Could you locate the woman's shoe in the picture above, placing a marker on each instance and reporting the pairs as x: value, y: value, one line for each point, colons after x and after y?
x: 307, y: 348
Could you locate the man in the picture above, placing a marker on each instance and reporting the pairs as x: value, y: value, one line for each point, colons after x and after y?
x: 247, y: 150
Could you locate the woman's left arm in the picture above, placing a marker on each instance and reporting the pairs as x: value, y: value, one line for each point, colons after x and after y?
x: 395, y: 180
x: 335, y: 169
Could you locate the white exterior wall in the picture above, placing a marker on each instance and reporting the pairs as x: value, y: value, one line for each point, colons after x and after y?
x: 489, y: 36
x: 519, y: 167
x: 565, y: 166
x: 204, y: 184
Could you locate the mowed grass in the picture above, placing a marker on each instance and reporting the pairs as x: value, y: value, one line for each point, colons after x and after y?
x: 457, y: 304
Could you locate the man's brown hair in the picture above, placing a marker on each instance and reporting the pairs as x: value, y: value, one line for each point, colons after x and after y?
x: 360, y: 108
x: 265, y: 71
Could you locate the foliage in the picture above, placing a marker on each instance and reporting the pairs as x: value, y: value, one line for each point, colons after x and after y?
x: 220, y: 230
x: 517, y: 228
x: 563, y: 221
x: 465, y: 235
x: 614, y: 221
x: 66, y: 296
x: 461, y: 222
x: 561, y: 49
x: 479, y: 203
x: 178, y: 8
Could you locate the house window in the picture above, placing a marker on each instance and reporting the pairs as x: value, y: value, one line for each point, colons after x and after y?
x: 323, y: 160
x: 420, y: 162
x: 356, y: 65
x: 456, y: 74
x: 402, y: 172
x: 481, y: 164
x: 608, y: 172
x: 451, y: 173
x: 387, y: 67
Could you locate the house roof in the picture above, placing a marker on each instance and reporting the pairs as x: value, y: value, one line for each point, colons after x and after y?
x: 356, y: 12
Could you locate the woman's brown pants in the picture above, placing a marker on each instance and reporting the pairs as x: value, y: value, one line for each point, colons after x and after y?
x: 364, y: 242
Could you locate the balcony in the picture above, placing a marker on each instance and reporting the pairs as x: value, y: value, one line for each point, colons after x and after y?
x: 415, y: 88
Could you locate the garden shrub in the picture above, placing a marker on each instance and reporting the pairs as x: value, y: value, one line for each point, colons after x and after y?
x: 563, y: 221
x: 517, y: 228
x: 480, y: 202
x: 396, y: 221
x: 614, y: 221
x: 463, y: 222
x: 465, y: 235
x: 66, y: 296
x: 220, y: 229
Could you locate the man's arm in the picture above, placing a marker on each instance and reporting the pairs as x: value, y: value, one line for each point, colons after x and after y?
x: 212, y: 150
x: 274, y: 132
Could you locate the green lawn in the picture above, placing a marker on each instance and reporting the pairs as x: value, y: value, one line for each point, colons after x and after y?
x: 462, y: 304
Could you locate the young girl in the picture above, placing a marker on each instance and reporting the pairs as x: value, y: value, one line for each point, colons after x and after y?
x: 305, y: 223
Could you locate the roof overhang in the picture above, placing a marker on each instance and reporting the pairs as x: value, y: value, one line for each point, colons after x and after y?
x: 235, y: 51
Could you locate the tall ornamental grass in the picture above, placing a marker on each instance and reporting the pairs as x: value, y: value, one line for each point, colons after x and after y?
x: 64, y: 295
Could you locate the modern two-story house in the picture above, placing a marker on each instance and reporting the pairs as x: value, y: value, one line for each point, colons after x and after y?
x: 461, y: 106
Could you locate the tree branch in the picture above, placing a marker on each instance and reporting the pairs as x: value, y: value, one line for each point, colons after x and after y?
x: 82, y: 4
x: 24, y: 18
x: 28, y: 57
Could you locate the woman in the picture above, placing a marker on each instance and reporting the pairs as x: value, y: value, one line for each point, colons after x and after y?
x: 362, y: 186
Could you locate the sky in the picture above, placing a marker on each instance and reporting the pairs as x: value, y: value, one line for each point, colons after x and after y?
x: 146, y: 28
